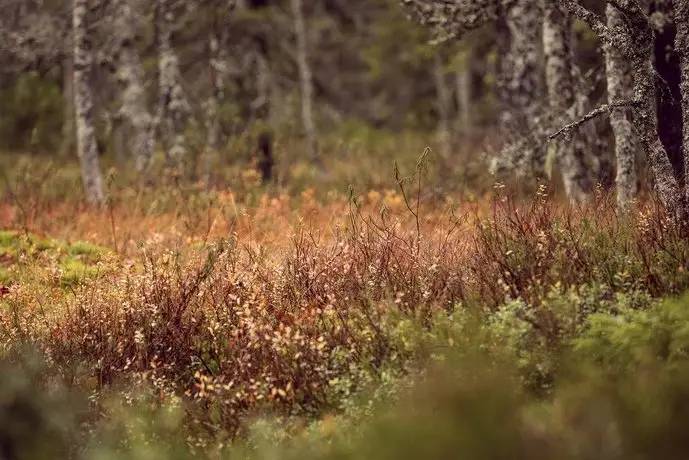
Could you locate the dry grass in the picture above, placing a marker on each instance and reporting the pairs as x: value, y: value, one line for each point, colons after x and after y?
x: 233, y: 304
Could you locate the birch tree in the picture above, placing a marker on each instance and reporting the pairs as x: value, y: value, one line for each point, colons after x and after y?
x: 667, y: 81
x: 635, y: 42
x: 305, y: 80
x: 560, y: 83
x: 682, y: 47
x: 130, y: 77
x: 518, y: 24
x: 174, y: 107
x: 522, y: 81
x: 620, y: 82
x: 68, y: 124
x: 217, y: 70
x: 83, y: 102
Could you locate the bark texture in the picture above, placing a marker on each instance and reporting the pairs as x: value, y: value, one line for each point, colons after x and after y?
x: 453, y: 19
x: 620, y: 81
x: 522, y: 66
x: 519, y: 82
x: 217, y: 74
x: 682, y: 47
x: 560, y: 83
x: 636, y: 43
x: 667, y: 184
x: 666, y: 63
x: 130, y: 77
x: 83, y: 102
x: 174, y: 107
x: 305, y: 80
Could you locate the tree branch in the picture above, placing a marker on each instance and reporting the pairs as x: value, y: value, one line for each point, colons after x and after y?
x: 590, y: 18
x: 567, y: 129
x: 630, y: 8
x: 452, y: 19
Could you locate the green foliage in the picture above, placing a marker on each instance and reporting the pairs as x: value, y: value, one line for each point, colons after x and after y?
x: 38, y: 416
x: 635, y: 338
x: 28, y: 258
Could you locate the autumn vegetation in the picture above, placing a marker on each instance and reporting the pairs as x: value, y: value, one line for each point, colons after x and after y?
x: 258, y: 323
x: 463, y: 236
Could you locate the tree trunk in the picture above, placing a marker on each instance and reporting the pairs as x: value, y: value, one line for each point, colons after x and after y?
x: 560, y: 83
x: 682, y: 47
x: 592, y: 136
x: 519, y: 79
x: 636, y: 42
x: 130, y: 77
x: 443, y: 102
x: 217, y: 74
x: 646, y: 122
x: 306, y: 81
x: 668, y: 96
x: 620, y: 81
x: 174, y: 108
x: 83, y: 102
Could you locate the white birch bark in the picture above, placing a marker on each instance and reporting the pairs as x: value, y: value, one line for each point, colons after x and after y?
x: 174, y: 107
x: 620, y: 82
x: 83, y: 102
x: 130, y: 77
x: 560, y: 83
x: 519, y: 83
x: 635, y: 42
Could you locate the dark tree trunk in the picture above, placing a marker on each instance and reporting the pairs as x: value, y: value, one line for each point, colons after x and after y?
x: 668, y: 96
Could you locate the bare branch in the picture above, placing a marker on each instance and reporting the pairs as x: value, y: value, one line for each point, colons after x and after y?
x: 590, y: 18
x: 630, y: 8
x: 452, y: 19
x: 567, y: 129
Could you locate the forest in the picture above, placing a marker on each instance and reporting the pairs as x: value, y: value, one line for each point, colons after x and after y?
x: 344, y: 229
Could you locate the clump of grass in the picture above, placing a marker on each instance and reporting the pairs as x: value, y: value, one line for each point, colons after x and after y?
x: 27, y: 258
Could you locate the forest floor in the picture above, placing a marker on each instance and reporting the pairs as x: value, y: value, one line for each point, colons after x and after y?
x: 391, y: 322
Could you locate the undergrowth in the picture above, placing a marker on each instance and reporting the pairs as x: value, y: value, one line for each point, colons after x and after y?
x: 287, y: 326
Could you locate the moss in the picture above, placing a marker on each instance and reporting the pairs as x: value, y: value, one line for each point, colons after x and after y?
x: 82, y: 248
x: 75, y: 261
x: 75, y: 272
x: 5, y: 275
x: 44, y: 245
x: 8, y: 238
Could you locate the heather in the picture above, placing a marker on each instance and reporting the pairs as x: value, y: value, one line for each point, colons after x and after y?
x: 319, y: 324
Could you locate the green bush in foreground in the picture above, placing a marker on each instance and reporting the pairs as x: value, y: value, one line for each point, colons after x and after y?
x: 622, y: 392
